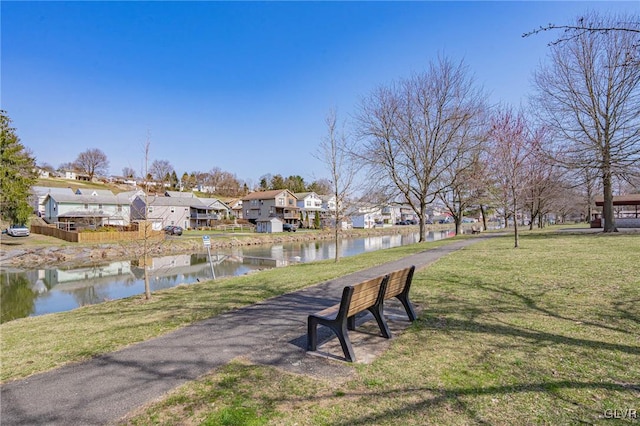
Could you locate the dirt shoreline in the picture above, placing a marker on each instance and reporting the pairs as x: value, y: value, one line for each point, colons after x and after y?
x: 23, y: 254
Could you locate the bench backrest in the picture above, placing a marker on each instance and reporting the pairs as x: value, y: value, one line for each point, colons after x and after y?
x: 366, y: 294
x: 398, y: 281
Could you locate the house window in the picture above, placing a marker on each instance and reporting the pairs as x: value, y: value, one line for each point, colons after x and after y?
x: 290, y: 201
x: 99, y: 206
x: 86, y: 206
x: 281, y: 201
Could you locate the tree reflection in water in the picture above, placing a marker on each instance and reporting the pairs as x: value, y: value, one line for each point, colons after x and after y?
x: 17, y: 299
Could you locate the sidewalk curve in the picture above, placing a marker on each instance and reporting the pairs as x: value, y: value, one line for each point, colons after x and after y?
x: 273, y: 332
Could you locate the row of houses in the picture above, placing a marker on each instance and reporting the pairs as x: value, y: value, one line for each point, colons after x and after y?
x: 94, y: 208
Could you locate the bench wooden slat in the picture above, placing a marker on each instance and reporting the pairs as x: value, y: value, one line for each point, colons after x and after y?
x: 364, y: 296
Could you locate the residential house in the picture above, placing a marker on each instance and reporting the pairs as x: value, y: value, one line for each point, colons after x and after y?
x: 365, y: 216
x: 395, y: 212
x: 219, y: 209
x: 127, y: 197
x: 329, y: 204
x: 76, y: 212
x: 122, y: 180
x: 236, y: 207
x: 280, y: 203
x: 39, y: 194
x: 42, y: 173
x: 205, y: 188
x: 187, y: 212
x: 310, y: 205
x: 73, y: 175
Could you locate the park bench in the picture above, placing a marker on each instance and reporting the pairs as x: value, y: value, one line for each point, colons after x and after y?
x: 475, y: 229
x: 367, y: 295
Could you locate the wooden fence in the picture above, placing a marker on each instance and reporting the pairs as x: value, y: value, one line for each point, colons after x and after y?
x: 96, y: 237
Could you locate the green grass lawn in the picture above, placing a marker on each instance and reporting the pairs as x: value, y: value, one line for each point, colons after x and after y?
x: 545, y: 334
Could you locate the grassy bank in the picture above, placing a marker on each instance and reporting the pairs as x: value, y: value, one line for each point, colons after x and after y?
x: 545, y: 334
x: 36, y: 344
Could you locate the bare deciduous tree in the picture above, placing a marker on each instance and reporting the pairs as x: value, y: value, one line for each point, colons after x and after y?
x: 412, y: 130
x: 224, y: 183
x: 334, y: 153
x: 591, y: 99
x: 589, y: 26
x: 129, y: 172
x: 161, y: 171
x: 92, y: 162
x: 321, y: 186
x: 510, y: 145
x: 464, y: 181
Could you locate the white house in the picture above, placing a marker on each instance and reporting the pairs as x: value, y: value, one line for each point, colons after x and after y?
x: 365, y: 217
x: 309, y: 204
x: 75, y: 212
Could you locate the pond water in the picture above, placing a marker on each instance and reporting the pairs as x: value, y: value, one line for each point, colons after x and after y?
x: 48, y: 290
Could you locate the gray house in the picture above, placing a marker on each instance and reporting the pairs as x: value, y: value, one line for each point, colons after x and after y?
x: 187, y: 212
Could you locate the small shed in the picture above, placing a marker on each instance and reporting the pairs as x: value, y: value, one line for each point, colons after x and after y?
x: 269, y: 225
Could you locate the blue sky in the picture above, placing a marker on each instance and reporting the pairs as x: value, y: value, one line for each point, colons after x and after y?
x: 243, y: 86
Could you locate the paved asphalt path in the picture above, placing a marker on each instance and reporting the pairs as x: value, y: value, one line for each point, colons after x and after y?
x: 106, y: 388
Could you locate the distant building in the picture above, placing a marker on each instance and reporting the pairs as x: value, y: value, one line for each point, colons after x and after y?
x: 280, y: 203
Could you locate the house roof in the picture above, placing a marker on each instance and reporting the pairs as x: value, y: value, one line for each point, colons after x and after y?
x: 44, y: 190
x: 128, y: 196
x: 267, y: 195
x: 234, y: 203
x: 97, y: 192
x: 300, y: 195
x: 620, y: 200
x: 177, y: 202
x: 179, y: 194
x: 214, y: 202
x: 327, y: 197
x: 83, y: 199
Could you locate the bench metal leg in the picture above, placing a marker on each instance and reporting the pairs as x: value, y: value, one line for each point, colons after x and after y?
x: 382, y: 322
x: 338, y: 327
x: 404, y: 299
x: 312, y: 333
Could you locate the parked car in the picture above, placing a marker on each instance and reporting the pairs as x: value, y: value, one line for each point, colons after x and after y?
x: 173, y: 230
x: 288, y: 227
x: 402, y: 222
x: 18, y: 231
